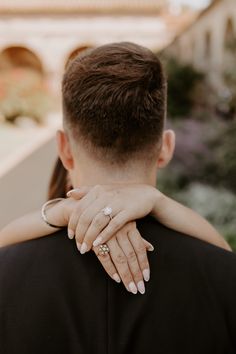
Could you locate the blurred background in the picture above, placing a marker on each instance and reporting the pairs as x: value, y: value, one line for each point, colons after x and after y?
x: 196, y: 40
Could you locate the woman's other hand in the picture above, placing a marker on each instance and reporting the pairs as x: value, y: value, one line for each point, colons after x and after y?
x: 127, y: 258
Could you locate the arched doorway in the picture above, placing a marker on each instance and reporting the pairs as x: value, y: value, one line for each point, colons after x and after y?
x: 23, y: 88
x: 75, y: 53
x: 20, y: 57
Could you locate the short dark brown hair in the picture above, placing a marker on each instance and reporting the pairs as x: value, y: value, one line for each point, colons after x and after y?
x: 114, y: 98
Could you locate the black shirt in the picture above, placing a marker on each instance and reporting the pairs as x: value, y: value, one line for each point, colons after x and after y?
x: 54, y: 300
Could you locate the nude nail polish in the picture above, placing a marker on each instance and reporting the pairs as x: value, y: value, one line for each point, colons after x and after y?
x: 71, y: 234
x: 150, y: 248
x: 116, y: 278
x: 141, y: 287
x: 98, y: 241
x: 78, y: 245
x: 68, y: 194
x: 133, y: 288
x: 84, y: 248
x: 146, y: 274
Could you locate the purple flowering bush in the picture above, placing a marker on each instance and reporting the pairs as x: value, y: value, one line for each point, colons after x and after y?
x: 202, y: 174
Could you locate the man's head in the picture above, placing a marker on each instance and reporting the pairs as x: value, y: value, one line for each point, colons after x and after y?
x: 114, y: 104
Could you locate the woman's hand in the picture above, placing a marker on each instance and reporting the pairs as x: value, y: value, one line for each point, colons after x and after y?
x: 88, y: 223
x: 127, y: 259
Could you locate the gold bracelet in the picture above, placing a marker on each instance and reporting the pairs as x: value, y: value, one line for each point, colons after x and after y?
x: 44, y: 209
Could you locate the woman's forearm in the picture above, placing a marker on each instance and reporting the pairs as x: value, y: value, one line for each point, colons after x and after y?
x: 169, y: 212
x: 32, y: 226
x: 178, y: 217
x: 23, y: 229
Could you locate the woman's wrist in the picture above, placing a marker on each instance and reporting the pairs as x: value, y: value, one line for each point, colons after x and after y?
x: 159, y: 200
x: 58, y: 214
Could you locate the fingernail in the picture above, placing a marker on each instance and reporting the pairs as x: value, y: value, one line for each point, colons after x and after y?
x: 116, y: 278
x: 141, y: 287
x: 71, y: 234
x: 98, y: 241
x: 133, y: 288
x: 84, y: 248
x: 150, y: 248
x: 146, y: 274
x: 78, y: 245
x: 70, y: 192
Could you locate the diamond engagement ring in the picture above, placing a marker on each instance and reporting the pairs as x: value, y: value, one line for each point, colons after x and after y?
x: 103, y: 250
x: 107, y: 211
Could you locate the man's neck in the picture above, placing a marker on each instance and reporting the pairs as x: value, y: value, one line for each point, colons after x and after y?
x: 91, y: 173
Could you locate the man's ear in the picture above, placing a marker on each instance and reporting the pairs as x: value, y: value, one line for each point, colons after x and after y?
x: 64, y: 150
x: 167, y: 149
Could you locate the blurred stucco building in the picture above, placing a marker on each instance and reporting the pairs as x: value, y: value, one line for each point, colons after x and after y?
x: 208, y: 43
x: 45, y: 34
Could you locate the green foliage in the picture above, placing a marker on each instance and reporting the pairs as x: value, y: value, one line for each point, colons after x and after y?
x: 216, y: 204
x: 230, y: 44
x: 230, y: 81
x: 182, y: 82
x: 229, y: 76
x: 23, y: 93
x: 203, y: 172
x: 231, y: 238
x: 223, y: 164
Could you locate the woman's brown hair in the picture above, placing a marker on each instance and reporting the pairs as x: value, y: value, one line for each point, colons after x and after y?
x: 59, y: 182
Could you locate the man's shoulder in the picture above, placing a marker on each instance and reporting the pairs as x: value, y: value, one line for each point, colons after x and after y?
x: 47, y: 262
x: 192, y: 251
x: 44, y: 249
x: 184, y: 262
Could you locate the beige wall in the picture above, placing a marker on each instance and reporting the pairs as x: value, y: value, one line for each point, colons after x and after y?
x: 191, y: 45
x: 24, y: 187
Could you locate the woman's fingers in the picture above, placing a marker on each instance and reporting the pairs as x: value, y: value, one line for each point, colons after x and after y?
x: 120, y: 261
x: 148, y: 245
x: 85, y: 199
x: 89, y: 219
x: 99, y: 220
x: 107, y: 264
x: 116, y: 223
x: 141, y: 251
x: 73, y: 221
x: 129, y: 251
x: 78, y: 210
x: 122, y: 264
x: 90, y: 224
x: 84, y: 237
x: 79, y: 193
